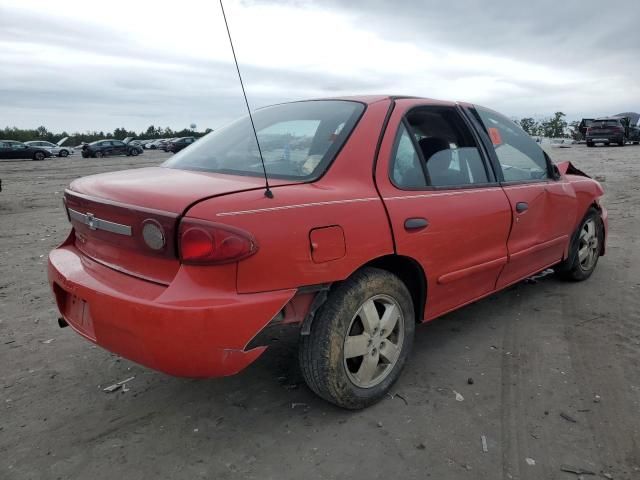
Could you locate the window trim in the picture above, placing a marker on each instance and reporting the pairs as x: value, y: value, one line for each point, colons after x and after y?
x: 488, y: 167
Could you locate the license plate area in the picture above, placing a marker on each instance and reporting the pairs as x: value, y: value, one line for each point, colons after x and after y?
x: 78, y: 315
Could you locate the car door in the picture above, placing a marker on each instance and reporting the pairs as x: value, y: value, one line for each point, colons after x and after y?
x: 541, y: 204
x: 5, y: 150
x: 118, y: 147
x: 446, y: 209
x: 19, y: 150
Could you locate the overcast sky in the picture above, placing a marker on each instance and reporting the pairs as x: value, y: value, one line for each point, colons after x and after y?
x: 80, y: 65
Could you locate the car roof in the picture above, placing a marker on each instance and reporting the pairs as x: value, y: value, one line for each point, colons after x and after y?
x: 370, y: 99
x: 607, y: 118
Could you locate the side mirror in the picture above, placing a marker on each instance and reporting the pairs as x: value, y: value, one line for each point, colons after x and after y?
x: 555, y: 171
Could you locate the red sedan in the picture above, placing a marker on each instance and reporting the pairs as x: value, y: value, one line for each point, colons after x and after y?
x: 386, y: 212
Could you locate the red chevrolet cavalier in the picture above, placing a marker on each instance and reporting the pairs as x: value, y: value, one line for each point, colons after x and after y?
x: 385, y: 212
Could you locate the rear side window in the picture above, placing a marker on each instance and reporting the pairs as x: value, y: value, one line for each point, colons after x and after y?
x: 298, y: 141
x: 406, y: 170
x: 439, y: 139
x: 520, y: 158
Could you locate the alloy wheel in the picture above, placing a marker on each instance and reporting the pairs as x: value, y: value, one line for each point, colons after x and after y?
x: 374, y: 341
x: 589, y: 246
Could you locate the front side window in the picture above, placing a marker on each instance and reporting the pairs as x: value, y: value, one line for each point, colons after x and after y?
x: 298, y: 141
x: 521, y: 159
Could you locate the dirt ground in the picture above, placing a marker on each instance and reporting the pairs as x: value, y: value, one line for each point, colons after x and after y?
x: 549, y: 373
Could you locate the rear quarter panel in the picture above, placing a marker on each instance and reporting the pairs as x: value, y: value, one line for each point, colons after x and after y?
x: 345, y: 196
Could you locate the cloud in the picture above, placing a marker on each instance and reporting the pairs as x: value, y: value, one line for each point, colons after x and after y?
x: 77, y: 66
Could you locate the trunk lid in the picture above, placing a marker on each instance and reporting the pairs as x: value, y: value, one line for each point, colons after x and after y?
x: 110, y: 213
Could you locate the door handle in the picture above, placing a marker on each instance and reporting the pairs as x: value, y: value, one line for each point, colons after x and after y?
x: 415, y: 223
x: 522, y: 207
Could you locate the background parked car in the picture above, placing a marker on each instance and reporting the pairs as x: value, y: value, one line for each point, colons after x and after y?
x: 163, y: 145
x: 55, y: 149
x: 607, y: 130
x: 176, y: 145
x: 155, y: 144
x: 13, y: 149
x: 105, y: 148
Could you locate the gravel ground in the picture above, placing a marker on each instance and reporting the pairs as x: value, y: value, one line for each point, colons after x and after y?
x: 547, y: 372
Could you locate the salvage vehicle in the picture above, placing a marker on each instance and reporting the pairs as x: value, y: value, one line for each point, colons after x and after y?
x: 107, y: 148
x: 13, y: 149
x: 607, y: 130
x: 178, y: 144
x: 56, y: 149
x: 372, y: 214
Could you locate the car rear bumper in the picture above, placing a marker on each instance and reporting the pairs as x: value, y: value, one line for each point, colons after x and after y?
x: 178, y: 329
x: 605, y: 138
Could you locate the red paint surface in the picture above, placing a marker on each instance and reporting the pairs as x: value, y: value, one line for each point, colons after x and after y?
x: 197, y: 321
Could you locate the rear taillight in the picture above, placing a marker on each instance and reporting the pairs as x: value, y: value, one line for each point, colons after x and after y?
x: 208, y: 243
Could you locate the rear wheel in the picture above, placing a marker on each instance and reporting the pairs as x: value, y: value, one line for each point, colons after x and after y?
x: 360, y: 340
x: 585, y: 249
x: 622, y: 142
x: 98, y: 155
x: 590, y: 144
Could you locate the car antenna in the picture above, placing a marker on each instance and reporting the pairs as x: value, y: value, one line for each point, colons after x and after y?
x: 267, y: 193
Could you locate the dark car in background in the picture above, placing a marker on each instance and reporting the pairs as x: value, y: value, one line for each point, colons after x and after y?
x: 107, y: 148
x: 13, y: 149
x: 607, y: 130
x: 176, y: 145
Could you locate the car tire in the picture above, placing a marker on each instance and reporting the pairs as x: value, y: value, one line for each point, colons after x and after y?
x: 98, y: 155
x: 39, y: 156
x: 590, y: 144
x: 622, y: 143
x: 134, y: 152
x: 64, y: 153
x: 585, y: 249
x: 354, y: 374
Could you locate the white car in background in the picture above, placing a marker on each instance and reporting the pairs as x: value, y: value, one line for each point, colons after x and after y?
x: 56, y: 149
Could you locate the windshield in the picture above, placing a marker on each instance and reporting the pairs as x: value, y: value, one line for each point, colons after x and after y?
x: 298, y: 141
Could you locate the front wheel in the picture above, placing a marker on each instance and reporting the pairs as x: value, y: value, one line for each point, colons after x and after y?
x: 359, y: 340
x: 589, y: 144
x: 38, y: 156
x: 98, y: 155
x: 134, y: 152
x: 64, y: 153
x: 585, y: 249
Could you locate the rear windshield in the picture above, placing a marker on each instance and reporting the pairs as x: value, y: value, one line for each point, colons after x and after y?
x: 605, y: 123
x: 298, y: 141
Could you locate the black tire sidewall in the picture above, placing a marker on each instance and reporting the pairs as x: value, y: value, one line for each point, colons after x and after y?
x: 575, y: 270
x: 331, y: 325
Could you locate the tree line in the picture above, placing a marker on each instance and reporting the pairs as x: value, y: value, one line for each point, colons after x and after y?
x: 554, y: 127
x: 41, y: 133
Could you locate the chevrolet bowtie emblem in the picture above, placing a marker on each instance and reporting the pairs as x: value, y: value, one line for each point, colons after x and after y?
x: 91, y: 221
